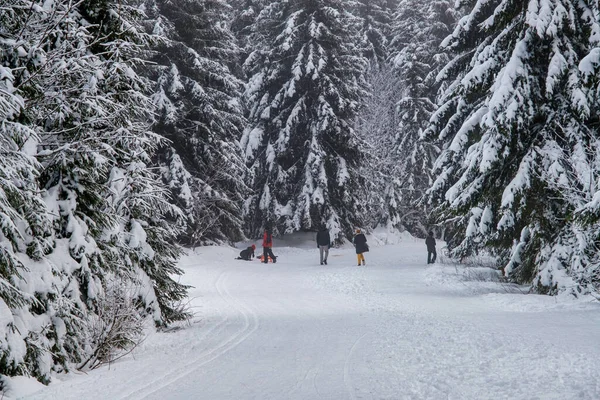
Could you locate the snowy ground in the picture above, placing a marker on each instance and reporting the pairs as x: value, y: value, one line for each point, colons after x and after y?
x: 395, y: 329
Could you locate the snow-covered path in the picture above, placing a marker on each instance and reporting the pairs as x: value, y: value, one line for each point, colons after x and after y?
x: 394, y: 329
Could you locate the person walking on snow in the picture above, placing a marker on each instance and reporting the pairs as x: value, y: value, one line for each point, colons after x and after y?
x: 323, y: 244
x: 247, y: 254
x: 360, y: 243
x: 267, y: 247
x: 431, y: 253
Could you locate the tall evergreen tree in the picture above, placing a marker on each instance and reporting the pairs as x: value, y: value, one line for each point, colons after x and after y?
x: 34, y: 45
x: 305, y: 89
x: 417, y: 32
x: 200, y: 113
x: 519, y: 126
x: 376, y: 124
x: 375, y: 17
x: 102, y: 132
x: 73, y: 64
x: 243, y: 16
x: 25, y: 227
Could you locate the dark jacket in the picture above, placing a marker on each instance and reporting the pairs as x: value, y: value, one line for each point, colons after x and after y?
x: 430, y: 242
x: 360, y: 242
x: 247, y: 254
x: 323, y: 238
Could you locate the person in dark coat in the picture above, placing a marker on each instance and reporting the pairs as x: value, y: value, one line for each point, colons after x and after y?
x: 431, y: 253
x: 247, y: 254
x: 323, y: 244
x: 268, y: 247
x: 360, y: 243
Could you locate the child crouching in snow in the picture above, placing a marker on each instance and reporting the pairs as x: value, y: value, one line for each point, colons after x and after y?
x: 247, y: 254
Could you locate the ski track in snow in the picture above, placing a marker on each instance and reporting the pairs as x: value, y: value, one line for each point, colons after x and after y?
x: 395, y: 329
x: 251, y: 324
x: 347, y: 380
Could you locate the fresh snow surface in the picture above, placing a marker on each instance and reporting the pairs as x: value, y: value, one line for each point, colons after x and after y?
x: 395, y: 329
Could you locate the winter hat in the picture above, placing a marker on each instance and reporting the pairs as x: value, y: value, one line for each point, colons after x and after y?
x: 253, y: 247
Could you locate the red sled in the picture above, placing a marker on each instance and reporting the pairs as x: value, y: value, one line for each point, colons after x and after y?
x: 262, y: 258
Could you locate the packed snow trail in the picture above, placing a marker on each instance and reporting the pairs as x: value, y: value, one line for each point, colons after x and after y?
x: 395, y: 329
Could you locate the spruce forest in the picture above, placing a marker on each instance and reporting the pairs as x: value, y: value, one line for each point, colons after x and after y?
x: 131, y: 129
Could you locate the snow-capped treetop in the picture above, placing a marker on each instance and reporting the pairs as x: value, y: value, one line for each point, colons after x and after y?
x: 305, y: 88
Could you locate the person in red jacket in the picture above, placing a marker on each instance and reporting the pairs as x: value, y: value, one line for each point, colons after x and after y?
x: 267, y: 247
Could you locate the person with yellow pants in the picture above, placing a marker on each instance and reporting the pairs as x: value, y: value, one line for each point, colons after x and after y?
x: 360, y: 243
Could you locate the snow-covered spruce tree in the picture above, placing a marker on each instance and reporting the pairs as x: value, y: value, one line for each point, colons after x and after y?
x: 417, y: 31
x: 376, y: 125
x: 42, y: 332
x: 199, y: 111
x: 144, y: 240
x: 25, y: 227
x: 375, y: 18
x: 305, y: 88
x: 72, y: 64
x: 243, y: 16
x: 519, y: 124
